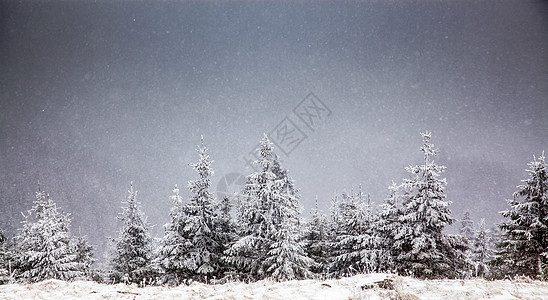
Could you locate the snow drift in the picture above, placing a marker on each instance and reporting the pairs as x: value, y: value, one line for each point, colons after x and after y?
x: 370, y: 286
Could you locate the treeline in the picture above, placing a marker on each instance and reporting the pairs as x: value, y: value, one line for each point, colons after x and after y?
x: 268, y: 238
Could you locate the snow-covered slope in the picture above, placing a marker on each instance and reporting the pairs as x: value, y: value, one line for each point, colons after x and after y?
x: 357, y: 287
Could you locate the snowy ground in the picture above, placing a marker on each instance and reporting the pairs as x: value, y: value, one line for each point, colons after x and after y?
x: 357, y: 287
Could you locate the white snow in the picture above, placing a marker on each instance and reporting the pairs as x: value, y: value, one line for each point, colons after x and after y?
x: 346, y: 288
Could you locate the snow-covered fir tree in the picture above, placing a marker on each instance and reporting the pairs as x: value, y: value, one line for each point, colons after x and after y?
x: 482, y: 251
x: 496, y: 269
x: 386, y: 226
x: 132, y: 259
x: 317, y: 241
x: 227, y: 230
x: 269, y: 243
x: 173, y: 246
x: 467, y: 226
x: 47, y: 250
x: 334, y: 229
x: 355, y: 247
x: 3, y: 237
x: 226, y: 222
x: 523, y: 249
x: 287, y: 259
x: 201, y: 260
x: 335, y: 218
x: 468, y: 232
x: 5, y: 259
x: 84, y: 255
x: 3, y: 271
x: 421, y: 248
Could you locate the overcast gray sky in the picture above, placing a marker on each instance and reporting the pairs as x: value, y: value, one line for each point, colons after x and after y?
x: 95, y: 95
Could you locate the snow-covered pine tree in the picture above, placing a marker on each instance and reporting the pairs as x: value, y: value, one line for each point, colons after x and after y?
x: 287, y: 259
x: 201, y: 259
x: 269, y: 243
x: 335, y: 217
x: 386, y: 226
x: 84, y: 255
x: 3, y: 271
x: 342, y: 210
x: 173, y: 246
x: 132, y: 259
x: 47, y: 249
x: 482, y: 250
x: 422, y: 249
x: 467, y: 226
x: 3, y: 237
x: 10, y: 261
x: 226, y: 222
x: 5, y: 258
x: 523, y: 249
x: 339, y: 213
x: 335, y: 227
x: 468, y: 233
x: 227, y: 229
x: 355, y: 248
x: 497, y: 270
x: 317, y: 242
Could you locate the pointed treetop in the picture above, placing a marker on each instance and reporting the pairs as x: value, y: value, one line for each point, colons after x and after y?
x: 426, y: 136
x: 201, y: 147
x: 540, y: 159
x: 427, y: 147
x: 265, y: 142
x: 265, y: 153
x: 203, y: 166
x: 482, y: 225
x: 394, y: 186
x: 176, y: 190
